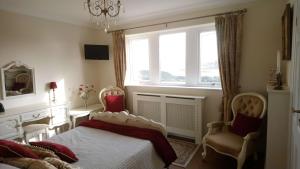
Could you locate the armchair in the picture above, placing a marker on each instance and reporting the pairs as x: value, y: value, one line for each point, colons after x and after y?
x: 23, y: 79
x: 221, y: 139
x: 110, y: 91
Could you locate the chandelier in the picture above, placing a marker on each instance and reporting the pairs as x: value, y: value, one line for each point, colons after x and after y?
x: 103, y: 12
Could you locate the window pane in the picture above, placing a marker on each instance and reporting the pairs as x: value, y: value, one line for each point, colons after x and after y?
x: 172, y: 51
x: 209, y: 69
x: 139, y: 59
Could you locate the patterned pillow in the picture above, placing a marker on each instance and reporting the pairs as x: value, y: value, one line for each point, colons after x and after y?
x: 12, y: 149
x: 27, y: 163
x: 42, y: 152
x: 59, y: 163
x: 60, y: 150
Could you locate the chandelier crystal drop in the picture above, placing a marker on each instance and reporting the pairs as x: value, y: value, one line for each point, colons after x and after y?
x: 103, y: 13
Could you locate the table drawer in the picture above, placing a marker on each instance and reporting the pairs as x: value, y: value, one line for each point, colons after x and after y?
x: 59, y: 115
x: 35, y: 115
x: 10, y: 127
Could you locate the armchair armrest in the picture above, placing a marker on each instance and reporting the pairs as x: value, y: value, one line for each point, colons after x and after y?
x: 218, y: 124
x: 251, y: 136
x: 215, y: 124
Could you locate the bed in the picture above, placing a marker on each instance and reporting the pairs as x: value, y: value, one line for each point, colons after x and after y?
x: 99, y: 149
x: 103, y: 148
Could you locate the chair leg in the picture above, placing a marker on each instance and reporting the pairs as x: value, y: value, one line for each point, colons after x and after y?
x: 204, y: 150
x: 255, y: 156
x: 46, y: 133
x: 26, y: 139
x: 240, y: 161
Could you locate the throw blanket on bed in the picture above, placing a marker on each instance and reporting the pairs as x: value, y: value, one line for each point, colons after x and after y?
x: 160, y: 143
x: 47, y: 160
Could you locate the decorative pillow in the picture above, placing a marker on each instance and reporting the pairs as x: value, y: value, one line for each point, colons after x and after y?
x: 59, y: 164
x: 114, y: 103
x: 12, y: 149
x: 142, y: 122
x: 114, y: 118
x: 27, y: 163
x: 61, y: 151
x: 42, y: 152
x: 242, y: 124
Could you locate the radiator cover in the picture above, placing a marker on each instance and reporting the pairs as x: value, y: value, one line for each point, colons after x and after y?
x: 181, y: 114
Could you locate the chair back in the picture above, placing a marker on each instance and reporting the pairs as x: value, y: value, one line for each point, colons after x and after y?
x: 110, y: 91
x: 23, y: 78
x: 249, y: 104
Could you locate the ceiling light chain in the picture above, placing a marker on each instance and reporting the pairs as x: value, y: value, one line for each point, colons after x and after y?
x: 103, y: 11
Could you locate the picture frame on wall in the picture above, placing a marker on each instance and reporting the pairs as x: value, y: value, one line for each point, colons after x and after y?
x: 287, y: 24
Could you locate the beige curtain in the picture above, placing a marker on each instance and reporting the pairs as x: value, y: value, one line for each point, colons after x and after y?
x: 119, y: 57
x: 229, y: 35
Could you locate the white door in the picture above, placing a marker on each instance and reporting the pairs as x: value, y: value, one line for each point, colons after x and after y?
x: 295, y: 140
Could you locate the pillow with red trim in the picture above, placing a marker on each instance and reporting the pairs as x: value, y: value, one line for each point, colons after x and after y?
x: 63, y: 152
x: 12, y: 149
x: 114, y: 103
x: 242, y: 124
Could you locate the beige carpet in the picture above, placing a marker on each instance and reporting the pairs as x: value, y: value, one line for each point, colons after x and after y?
x: 184, y: 150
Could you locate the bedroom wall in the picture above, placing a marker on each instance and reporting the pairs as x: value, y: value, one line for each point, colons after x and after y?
x: 55, y: 51
x: 262, y: 38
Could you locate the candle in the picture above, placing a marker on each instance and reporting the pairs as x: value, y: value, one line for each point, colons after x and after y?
x: 278, y: 62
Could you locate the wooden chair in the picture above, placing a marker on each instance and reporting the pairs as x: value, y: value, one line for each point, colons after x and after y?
x: 111, y: 90
x: 223, y: 141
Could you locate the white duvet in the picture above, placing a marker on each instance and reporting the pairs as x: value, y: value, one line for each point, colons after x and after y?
x: 99, y: 149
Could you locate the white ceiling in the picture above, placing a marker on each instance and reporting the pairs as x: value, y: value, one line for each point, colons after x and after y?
x: 72, y: 11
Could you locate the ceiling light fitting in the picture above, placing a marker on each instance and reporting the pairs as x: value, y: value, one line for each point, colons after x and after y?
x: 103, y: 12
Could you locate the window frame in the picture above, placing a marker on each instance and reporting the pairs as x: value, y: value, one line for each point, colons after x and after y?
x: 192, y: 63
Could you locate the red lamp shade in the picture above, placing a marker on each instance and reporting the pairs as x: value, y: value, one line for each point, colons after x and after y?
x: 52, y: 85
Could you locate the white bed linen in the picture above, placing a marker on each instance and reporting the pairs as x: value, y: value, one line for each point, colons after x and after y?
x: 99, y: 149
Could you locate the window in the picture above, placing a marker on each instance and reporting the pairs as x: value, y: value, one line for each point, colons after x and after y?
x: 139, y: 57
x: 181, y: 57
x: 209, y: 67
x: 172, y: 57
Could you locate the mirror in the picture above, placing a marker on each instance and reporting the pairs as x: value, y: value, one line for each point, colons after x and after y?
x: 17, y: 80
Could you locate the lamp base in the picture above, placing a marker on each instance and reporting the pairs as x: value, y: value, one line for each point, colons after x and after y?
x: 278, y: 82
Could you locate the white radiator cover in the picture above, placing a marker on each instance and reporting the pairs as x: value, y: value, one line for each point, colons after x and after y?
x: 181, y: 114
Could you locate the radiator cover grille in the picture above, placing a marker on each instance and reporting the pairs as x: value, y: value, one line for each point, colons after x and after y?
x: 182, y: 115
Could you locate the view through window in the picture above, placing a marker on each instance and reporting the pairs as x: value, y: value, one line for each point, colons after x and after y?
x: 181, y: 57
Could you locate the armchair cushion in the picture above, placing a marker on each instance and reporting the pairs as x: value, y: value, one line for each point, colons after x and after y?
x: 18, y: 85
x: 114, y: 103
x: 242, y: 124
x: 226, y: 142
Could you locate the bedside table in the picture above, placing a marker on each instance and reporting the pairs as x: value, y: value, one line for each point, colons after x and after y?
x: 82, y: 112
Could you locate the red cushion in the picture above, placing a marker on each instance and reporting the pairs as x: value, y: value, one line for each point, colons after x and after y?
x: 18, y: 86
x: 243, y: 124
x: 13, y: 149
x: 114, y: 103
x: 63, y: 152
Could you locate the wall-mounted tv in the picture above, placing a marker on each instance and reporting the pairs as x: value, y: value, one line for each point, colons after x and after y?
x: 96, y: 52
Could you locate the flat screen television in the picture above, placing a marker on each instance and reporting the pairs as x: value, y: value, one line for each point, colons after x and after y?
x: 96, y: 52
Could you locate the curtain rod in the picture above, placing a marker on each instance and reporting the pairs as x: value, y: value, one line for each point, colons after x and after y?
x: 242, y: 11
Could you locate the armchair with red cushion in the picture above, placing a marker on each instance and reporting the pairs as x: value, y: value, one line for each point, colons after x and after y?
x: 112, y: 99
x: 237, y: 138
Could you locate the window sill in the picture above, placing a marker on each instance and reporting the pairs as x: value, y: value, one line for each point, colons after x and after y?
x: 178, y: 87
